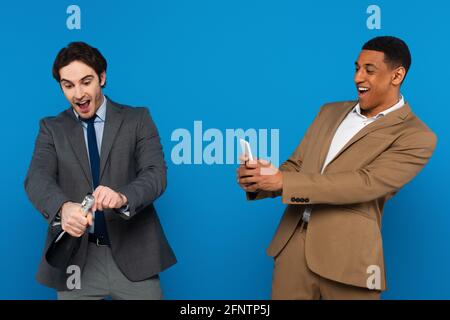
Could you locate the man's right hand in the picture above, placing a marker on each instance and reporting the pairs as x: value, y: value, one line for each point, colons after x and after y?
x: 247, y: 168
x: 259, y: 175
x: 73, y: 220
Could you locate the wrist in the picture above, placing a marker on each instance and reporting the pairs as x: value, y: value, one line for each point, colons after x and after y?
x: 124, y: 199
x: 280, y: 182
x: 64, y: 205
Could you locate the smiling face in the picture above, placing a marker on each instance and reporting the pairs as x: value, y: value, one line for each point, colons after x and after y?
x: 82, y: 87
x: 377, y: 82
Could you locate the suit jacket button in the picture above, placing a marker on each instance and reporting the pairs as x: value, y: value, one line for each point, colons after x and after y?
x: 302, y: 200
x: 306, y: 200
x: 293, y: 199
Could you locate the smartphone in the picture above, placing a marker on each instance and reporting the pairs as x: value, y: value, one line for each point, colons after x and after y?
x: 246, y: 150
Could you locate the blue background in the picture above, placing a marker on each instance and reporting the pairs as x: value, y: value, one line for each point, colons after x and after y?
x: 231, y: 64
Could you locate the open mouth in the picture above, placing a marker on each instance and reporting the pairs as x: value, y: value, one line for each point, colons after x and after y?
x: 362, y: 91
x: 83, y: 105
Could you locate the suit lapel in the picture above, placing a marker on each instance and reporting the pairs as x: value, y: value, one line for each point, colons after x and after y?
x: 334, y: 123
x: 113, y: 122
x: 76, y: 138
x: 388, y: 120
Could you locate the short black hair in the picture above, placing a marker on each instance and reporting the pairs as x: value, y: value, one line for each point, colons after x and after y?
x: 79, y: 51
x: 396, y: 51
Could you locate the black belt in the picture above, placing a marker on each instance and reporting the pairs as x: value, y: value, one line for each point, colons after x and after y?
x: 98, y: 241
x: 303, y: 224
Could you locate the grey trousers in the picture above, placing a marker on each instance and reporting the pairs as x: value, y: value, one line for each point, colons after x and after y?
x: 101, y: 278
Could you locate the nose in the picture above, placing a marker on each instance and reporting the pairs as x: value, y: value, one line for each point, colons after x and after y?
x: 359, y: 76
x: 79, y: 92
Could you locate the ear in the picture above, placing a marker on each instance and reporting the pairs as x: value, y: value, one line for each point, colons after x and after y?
x: 398, y: 76
x: 102, y: 79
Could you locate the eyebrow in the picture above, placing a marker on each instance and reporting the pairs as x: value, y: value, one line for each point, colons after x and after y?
x: 82, y: 79
x: 85, y: 78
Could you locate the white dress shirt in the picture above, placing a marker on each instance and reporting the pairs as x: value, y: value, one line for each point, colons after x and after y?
x: 348, y: 128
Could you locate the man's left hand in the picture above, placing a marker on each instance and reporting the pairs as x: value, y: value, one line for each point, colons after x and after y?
x: 107, y: 198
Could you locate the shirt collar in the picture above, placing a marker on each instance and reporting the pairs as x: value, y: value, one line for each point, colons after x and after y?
x: 396, y: 106
x: 101, y: 112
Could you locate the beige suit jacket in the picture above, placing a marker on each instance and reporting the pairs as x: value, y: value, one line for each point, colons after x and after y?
x: 343, y: 238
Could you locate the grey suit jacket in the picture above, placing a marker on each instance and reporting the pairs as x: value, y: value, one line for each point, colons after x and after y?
x: 131, y: 162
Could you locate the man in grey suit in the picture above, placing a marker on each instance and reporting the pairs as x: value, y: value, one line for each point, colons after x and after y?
x: 112, y: 151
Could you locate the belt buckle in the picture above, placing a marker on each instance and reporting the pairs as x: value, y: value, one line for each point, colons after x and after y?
x: 98, y: 244
x: 303, y: 225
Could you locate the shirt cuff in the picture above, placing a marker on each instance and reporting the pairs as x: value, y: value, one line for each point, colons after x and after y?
x: 125, y: 210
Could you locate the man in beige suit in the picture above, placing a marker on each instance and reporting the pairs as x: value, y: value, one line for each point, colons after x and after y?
x: 353, y: 158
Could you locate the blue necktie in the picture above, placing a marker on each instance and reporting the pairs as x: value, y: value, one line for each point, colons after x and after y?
x: 100, y: 225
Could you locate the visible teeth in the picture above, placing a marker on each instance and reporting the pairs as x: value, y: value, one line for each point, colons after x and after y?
x: 363, y: 89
